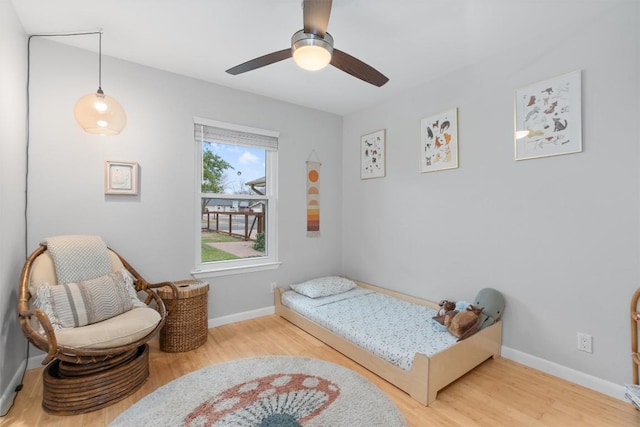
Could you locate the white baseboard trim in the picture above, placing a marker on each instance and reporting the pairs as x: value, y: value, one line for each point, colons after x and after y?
x: 9, y: 393
x: 594, y: 383
x: 238, y: 317
x: 36, y: 361
x: 552, y: 368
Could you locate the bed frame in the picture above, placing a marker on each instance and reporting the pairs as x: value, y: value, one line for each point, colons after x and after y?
x: 428, y: 375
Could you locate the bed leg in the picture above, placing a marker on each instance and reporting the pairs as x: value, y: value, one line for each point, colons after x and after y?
x: 420, y: 398
x: 425, y: 399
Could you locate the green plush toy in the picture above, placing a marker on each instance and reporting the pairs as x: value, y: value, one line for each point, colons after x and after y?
x: 493, y: 302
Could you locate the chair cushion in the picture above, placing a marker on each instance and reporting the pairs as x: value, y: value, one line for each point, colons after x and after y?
x: 87, y: 302
x: 120, y: 330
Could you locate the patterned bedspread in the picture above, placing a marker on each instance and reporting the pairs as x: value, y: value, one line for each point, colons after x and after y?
x: 392, y: 329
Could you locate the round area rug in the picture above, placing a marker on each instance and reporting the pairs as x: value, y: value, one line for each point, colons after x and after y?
x: 269, y: 391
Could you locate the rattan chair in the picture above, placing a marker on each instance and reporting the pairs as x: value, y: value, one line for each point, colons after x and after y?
x: 79, y: 377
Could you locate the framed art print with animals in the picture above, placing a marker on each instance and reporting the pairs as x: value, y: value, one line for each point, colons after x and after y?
x: 372, y: 155
x: 439, y: 141
x: 548, y: 118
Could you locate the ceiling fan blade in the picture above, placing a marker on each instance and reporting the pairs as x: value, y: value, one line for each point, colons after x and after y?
x: 316, y: 16
x: 357, y: 68
x: 267, y: 59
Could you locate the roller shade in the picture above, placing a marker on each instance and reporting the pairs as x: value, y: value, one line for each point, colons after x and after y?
x: 237, y: 135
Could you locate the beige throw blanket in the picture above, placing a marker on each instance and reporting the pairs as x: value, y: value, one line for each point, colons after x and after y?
x: 78, y: 258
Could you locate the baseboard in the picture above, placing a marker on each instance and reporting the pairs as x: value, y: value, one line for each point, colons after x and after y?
x: 36, y: 361
x: 238, y: 317
x: 551, y: 368
x: 9, y: 393
x: 577, y: 377
x: 589, y: 381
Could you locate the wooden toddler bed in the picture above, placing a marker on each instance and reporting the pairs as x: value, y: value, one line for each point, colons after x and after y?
x: 428, y: 374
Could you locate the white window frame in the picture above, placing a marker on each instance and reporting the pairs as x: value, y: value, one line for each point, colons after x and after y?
x: 243, y: 265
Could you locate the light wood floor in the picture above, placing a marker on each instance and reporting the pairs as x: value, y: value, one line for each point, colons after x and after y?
x: 497, y: 393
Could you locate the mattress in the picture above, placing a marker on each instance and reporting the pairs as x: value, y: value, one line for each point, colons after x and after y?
x: 390, y: 328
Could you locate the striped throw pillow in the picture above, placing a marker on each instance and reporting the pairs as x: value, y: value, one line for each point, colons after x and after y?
x: 88, y: 301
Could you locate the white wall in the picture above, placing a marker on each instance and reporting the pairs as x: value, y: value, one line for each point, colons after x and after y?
x: 558, y: 236
x: 155, y: 230
x: 13, y: 60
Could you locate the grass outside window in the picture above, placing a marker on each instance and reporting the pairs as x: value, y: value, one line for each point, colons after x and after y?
x: 210, y: 253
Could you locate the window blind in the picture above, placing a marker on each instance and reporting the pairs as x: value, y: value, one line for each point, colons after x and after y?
x: 237, y: 135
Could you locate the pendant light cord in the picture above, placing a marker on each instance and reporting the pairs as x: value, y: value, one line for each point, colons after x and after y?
x: 27, y: 150
x: 100, y: 64
x: 26, y: 187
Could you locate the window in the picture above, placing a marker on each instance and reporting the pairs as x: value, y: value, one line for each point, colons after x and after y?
x: 236, y: 198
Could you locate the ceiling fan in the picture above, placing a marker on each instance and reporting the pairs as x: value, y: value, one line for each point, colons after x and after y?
x: 312, y: 48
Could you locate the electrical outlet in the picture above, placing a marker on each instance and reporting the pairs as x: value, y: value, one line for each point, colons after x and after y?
x: 273, y: 287
x: 585, y: 342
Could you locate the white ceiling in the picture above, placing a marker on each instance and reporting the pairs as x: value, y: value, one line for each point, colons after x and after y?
x: 410, y: 41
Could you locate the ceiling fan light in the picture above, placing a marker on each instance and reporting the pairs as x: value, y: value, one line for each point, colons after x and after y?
x: 311, y: 52
x: 100, y: 114
x: 311, y: 58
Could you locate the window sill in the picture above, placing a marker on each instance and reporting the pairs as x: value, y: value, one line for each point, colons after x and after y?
x: 227, y: 271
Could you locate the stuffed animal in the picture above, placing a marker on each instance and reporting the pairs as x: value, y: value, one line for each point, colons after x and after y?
x: 447, y: 310
x: 445, y: 306
x: 465, y: 323
x: 448, y: 317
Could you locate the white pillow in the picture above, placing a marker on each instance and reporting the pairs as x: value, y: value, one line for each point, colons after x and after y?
x: 324, y: 286
x: 88, y: 301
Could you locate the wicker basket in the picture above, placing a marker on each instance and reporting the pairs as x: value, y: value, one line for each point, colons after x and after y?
x: 186, y: 326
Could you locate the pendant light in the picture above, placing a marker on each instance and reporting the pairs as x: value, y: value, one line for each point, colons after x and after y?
x: 99, y: 113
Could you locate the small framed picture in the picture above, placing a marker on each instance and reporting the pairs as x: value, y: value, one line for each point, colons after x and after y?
x: 372, y: 155
x: 120, y: 177
x: 439, y: 141
x: 548, y: 118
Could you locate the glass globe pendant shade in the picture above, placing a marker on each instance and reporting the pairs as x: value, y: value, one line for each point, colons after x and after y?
x: 100, y: 114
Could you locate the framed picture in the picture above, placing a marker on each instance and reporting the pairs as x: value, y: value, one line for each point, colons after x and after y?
x: 548, y: 118
x: 120, y: 177
x: 439, y: 141
x: 372, y: 155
